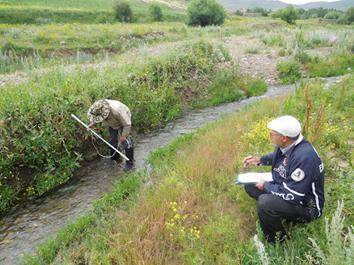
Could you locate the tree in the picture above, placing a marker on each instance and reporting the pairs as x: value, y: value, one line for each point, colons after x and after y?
x: 347, y: 17
x: 205, y: 12
x: 238, y: 13
x: 123, y: 12
x: 289, y: 14
x: 349, y: 14
x: 155, y: 12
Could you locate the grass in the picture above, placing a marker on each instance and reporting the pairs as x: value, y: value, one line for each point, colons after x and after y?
x: 192, y: 212
x: 92, y: 11
x: 29, y: 46
x: 338, y: 64
x: 79, y: 4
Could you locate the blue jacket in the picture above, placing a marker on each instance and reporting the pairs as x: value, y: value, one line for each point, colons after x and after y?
x: 298, y: 175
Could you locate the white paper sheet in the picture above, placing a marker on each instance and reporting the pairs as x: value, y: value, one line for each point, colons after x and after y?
x: 253, y: 177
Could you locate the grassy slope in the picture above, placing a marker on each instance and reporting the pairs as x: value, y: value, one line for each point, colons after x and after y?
x: 92, y: 11
x: 190, y: 212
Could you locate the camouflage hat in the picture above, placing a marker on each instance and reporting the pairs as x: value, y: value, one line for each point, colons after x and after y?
x: 99, y: 111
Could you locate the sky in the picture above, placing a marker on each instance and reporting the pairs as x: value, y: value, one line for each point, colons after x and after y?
x: 299, y: 2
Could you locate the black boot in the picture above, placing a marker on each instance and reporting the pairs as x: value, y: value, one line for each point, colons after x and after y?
x: 129, y: 152
x: 129, y: 165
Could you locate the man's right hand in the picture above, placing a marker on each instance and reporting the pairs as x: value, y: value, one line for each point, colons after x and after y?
x: 251, y: 160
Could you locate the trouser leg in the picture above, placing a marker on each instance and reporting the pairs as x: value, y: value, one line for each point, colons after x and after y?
x: 114, y: 142
x: 272, y: 209
x: 252, y: 191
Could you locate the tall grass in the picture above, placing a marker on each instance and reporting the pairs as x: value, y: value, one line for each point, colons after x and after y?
x: 192, y: 212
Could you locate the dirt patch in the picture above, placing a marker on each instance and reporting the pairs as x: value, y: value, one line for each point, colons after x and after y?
x: 321, y: 51
x: 254, y: 58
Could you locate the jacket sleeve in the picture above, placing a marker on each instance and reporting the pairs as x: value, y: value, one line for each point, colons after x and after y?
x: 298, y: 182
x: 267, y: 160
x: 126, y: 130
x: 124, y: 116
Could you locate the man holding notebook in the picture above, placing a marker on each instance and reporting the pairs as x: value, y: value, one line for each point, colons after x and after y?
x: 296, y: 192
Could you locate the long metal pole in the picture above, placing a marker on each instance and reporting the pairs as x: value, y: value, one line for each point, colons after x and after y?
x: 98, y: 136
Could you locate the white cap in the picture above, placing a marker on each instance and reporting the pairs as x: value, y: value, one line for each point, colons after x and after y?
x: 286, y: 125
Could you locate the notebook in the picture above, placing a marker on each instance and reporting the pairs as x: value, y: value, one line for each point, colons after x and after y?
x: 253, y: 177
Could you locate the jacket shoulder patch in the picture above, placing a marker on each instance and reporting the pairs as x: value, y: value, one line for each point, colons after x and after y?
x: 298, y: 174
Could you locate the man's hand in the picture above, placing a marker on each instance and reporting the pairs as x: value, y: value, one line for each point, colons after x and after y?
x: 251, y: 160
x: 122, y: 139
x: 90, y: 125
x: 260, y: 185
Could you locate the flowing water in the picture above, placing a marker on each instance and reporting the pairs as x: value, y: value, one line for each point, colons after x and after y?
x: 28, y: 225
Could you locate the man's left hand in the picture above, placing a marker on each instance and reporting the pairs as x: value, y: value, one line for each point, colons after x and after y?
x: 260, y: 185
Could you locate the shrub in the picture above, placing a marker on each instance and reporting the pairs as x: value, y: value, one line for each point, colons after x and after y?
x: 288, y: 14
x: 238, y: 13
x: 274, y: 40
x: 347, y: 17
x: 205, y: 12
x: 332, y: 15
x: 289, y: 71
x: 337, y: 248
x: 122, y: 11
x: 155, y: 12
x: 302, y: 56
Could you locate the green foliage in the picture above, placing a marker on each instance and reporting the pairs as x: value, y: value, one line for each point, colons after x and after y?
x: 319, y: 13
x: 226, y: 87
x: 256, y: 87
x: 273, y: 40
x: 205, y: 12
x: 337, y: 250
x: 264, y: 12
x: 303, y: 57
x: 238, y: 13
x: 123, y: 11
x: 337, y: 64
x: 155, y: 12
x: 288, y: 14
x: 347, y: 17
x: 289, y: 71
x: 332, y: 15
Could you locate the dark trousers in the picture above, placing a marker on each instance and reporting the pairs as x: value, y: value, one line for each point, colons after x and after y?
x: 272, y: 209
x: 128, y: 145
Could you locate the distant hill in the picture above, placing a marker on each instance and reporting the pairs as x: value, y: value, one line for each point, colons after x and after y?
x: 244, y: 4
x: 273, y: 4
x: 341, y: 5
